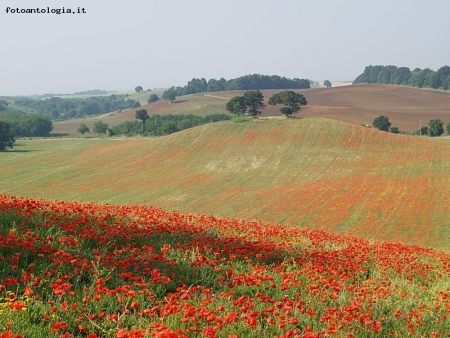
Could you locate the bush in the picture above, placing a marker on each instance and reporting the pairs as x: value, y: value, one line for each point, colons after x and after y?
x: 153, y: 98
x: 435, y: 127
x: 382, y: 123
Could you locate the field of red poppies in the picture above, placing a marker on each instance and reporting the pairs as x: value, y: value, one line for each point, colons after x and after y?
x: 317, y: 173
x: 91, y: 270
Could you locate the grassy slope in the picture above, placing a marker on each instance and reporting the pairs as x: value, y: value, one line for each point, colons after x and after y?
x: 318, y: 173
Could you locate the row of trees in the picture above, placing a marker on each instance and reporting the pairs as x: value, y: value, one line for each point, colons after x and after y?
x: 252, y: 102
x: 59, y: 108
x: 404, y: 76
x: 247, y: 82
x: 155, y: 125
x: 99, y: 128
x: 158, y: 125
x: 435, y: 127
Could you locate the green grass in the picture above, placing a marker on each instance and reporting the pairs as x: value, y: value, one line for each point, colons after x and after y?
x: 318, y: 173
x: 240, y: 119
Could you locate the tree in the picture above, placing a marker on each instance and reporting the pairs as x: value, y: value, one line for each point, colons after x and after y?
x: 83, y: 129
x: 170, y: 94
x: 142, y: 115
x: 100, y: 128
x: 139, y: 89
x: 255, y: 102
x: 327, y: 83
x: 237, y: 105
x: 435, y: 127
x: 394, y: 130
x: 448, y: 127
x: 289, y: 99
x: 153, y: 98
x: 382, y: 123
x: 6, y: 138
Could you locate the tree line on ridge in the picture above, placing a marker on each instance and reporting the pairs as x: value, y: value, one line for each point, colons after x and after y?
x: 420, y: 78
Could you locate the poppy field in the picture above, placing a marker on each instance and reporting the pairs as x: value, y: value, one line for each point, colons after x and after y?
x: 312, y: 172
x: 96, y: 270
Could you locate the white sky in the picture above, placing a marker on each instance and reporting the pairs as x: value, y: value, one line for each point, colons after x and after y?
x: 120, y: 44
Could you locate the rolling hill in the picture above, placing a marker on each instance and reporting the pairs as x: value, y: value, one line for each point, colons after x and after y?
x: 311, y: 172
x: 407, y: 108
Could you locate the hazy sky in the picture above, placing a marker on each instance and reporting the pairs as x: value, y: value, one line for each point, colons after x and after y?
x: 120, y: 44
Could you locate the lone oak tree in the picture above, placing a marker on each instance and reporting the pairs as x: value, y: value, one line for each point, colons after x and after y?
x: 291, y: 100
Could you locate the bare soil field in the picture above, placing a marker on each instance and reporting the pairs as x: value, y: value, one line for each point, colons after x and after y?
x: 407, y: 108
x: 360, y: 104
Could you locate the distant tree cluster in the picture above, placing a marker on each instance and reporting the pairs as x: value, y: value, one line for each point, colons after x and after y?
x: 435, y: 127
x: 247, y: 82
x: 252, y: 102
x: 89, y: 92
x: 159, y: 125
x: 3, y: 105
x: 404, y: 76
x: 26, y: 125
x: 59, y: 108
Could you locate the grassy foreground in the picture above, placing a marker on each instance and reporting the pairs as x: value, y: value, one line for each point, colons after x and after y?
x: 311, y: 172
x: 89, y: 270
